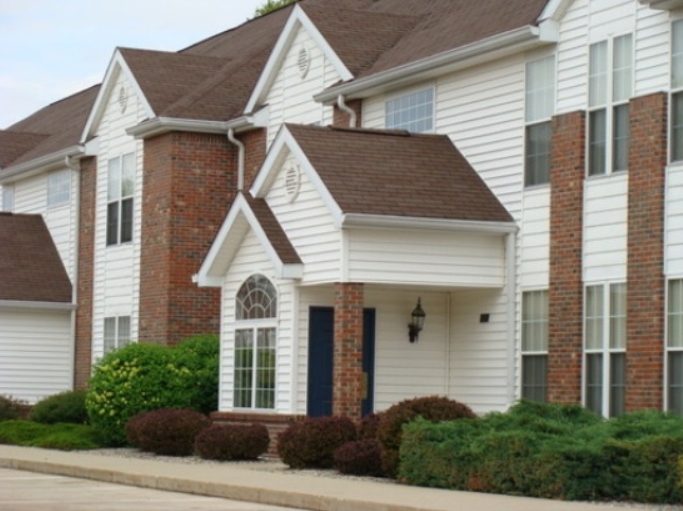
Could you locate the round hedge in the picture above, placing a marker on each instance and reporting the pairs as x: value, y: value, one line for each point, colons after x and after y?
x: 360, y: 458
x: 232, y: 442
x: 166, y: 432
x: 311, y: 443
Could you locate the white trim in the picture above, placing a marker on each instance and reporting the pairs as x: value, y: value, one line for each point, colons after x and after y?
x: 555, y: 10
x: 117, y: 65
x: 511, y: 292
x: 500, y: 45
x: 160, y: 125
x: 19, y: 304
x: 663, y: 5
x: 297, y: 19
x: 44, y: 163
x: 240, y: 208
x: 355, y: 220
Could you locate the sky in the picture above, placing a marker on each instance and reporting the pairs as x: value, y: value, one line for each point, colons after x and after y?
x: 50, y: 49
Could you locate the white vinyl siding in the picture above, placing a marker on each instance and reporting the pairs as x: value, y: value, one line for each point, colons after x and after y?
x: 8, y: 198
x: 36, y: 353
x: 535, y: 243
x: 677, y: 91
x: 58, y: 188
x: 412, y: 112
x: 674, y: 221
x: 539, y: 108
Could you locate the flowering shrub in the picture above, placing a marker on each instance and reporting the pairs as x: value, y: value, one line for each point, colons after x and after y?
x: 166, y: 431
x: 232, y: 442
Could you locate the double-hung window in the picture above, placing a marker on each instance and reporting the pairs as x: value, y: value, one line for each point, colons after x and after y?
x: 540, y: 107
x: 605, y: 349
x: 8, y: 198
x: 677, y: 91
x: 116, y: 332
x: 120, y: 190
x: 255, y: 344
x: 58, y: 188
x: 412, y: 112
x: 610, y: 88
x: 674, y: 344
x: 535, y: 345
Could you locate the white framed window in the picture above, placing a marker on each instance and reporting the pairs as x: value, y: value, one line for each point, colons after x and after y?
x: 674, y: 346
x: 535, y: 345
x: 605, y: 349
x: 539, y: 109
x: 116, y: 333
x: 676, y: 135
x: 58, y: 188
x: 610, y: 88
x: 8, y: 198
x: 255, y: 344
x: 120, y: 190
x: 412, y: 112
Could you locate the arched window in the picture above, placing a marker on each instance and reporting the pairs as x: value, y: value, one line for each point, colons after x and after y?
x: 255, y: 341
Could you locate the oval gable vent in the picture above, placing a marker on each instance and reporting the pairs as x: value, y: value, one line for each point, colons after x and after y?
x: 304, y: 61
x: 292, y: 182
x: 123, y: 99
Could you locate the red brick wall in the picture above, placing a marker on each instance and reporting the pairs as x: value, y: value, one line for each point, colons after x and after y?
x: 255, y: 152
x: 342, y: 119
x: 189, y: 182
x: 566, y: 236
x: 645, y: 288
x: 348, y: 349
x: 86, y: 244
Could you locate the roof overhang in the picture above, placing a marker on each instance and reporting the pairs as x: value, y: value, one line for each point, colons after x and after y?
x: 663, y: 5
x: 360, y: 221
x: 49, y: 306
x: 227, y: 242
x: 486, y: 50
x: 43, y: 164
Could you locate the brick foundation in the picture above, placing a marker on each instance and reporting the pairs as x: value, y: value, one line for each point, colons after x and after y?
x: 348, y: 350
x: 645, y: 288
x: 275, y: 424
x: 566, y: 240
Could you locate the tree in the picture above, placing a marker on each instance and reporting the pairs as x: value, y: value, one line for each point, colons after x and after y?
x: 271, y: 5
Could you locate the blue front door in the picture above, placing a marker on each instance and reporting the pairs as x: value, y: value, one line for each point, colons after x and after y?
x: 321, y: 361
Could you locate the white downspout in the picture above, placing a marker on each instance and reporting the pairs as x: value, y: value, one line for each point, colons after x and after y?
x: 74, y: 286
x: 511, y: 291
x: 341, y: 103
x: 240, y: 159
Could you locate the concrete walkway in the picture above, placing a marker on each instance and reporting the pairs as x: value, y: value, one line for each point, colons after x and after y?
x: 280, y: 489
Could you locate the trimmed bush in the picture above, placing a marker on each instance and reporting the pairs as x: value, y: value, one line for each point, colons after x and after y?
x: 167, y: 432
x: 232, y: 442
x: 63, y: 407
x: 391, y: 422
x: 369, y: 426
x: 200, y: 355
x: 311, y: 443
x: 360, y: 458
x: 65, y: 437
x: 9, y: 408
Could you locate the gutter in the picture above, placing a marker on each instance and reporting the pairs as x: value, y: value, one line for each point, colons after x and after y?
x: 43, y: 163
x: 19, y: 304
x: 457, y: 58
x: 161, y: 125
x: 350, y: 220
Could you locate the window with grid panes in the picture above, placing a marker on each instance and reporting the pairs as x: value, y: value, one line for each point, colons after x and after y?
x: 674, y: 344
x: 535, y: 345
x: 58, y: 188
x: 255, y: 344
x: 120, y: 190
x: 540, y: 107
x: 116, y: 333
x: 411, y: 112
x: 610, y: 88
x: 605, y: 349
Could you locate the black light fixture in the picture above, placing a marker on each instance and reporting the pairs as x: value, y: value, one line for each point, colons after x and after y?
x: 417, y: 321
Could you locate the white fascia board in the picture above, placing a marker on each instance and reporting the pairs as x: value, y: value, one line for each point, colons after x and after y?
x: 354, y: 220
x: 494, y: 47
x: 51, y: 306
x: 297, y: 18
x: 42, y: 164
x: 116, y: 65
x: 555, y: 10
x: 663, y: 5
x: 160, y: 125
x: 284, y: 141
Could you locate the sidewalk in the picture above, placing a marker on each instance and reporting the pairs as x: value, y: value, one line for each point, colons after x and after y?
x: 289, y: 490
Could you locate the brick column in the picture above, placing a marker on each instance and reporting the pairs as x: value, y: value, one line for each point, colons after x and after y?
x: 645, y: 288
x: 566, y: 239
x: 348, y: 349
x: 86, y: 262
x: 342, y: 119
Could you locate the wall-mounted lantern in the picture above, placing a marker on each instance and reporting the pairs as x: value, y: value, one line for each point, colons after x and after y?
x: 417, y: 321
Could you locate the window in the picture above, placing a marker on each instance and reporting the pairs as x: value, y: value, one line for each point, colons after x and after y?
x: 605, y: 349
x: 116, y: 333
x: 535, y: 345
x: 677, y: 91
x: 255, y: 341
x: 610, y: 87
x: 412, y: 112
x: 674, y: 343
x: 120, y: 189
x: 540, y: 106
x: 8, y: 198
x: 58, y: 188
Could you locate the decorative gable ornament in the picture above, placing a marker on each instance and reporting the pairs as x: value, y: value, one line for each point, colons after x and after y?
x: 292, y: 182
x: 123, y: 98
x: 304, y: 61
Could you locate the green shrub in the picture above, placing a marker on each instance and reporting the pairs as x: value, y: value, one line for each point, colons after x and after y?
x: 63, y: 407
x: 168, y: 432
x: 311, y: 443
x: 360, y: 458
x: 200, y: 355
x: 9, y: 408
x: 133, y: 380
x: 232, y: 442
x: 56, y: 436
x: 391, y: 422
